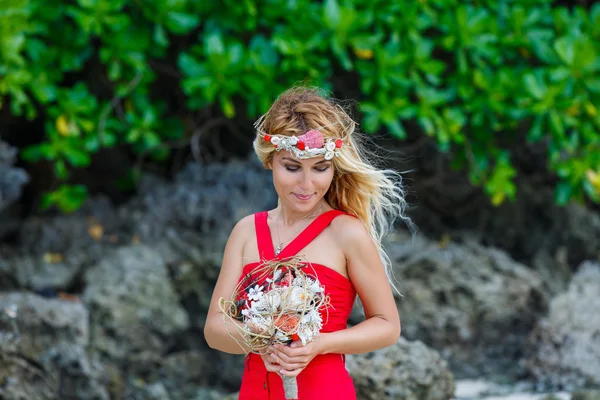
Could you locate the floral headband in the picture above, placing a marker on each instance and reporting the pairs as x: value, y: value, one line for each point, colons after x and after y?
x: 311, y: 144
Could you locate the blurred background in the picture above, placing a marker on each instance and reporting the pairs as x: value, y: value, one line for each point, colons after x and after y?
x: 126, y: 159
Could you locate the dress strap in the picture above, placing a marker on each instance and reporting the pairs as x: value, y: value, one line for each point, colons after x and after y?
x: 310, y: 233
x: 263, y: 236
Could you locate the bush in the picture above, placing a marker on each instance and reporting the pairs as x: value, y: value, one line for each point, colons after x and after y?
x: 481, y: 77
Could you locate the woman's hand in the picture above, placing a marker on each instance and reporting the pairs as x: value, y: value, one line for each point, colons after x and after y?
x: 271, y: 363
x: 291, y: 360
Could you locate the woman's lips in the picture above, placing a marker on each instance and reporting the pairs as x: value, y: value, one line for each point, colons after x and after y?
x: 303, y: 197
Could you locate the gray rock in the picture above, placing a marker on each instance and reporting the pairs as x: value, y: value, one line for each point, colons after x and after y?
x: 206, y: 200
x: 77, y: 374
x: 586, y: 395
x: 39, y: 324
x: 132, y: 303
x: 42, y: 350
x: 40, y: 272
x: 11, y: 179
x: 404, y: 371
x: 184, y: 373
x: 566, y: 343
x: 189, y: 221
x: 54, y: 252
x: 474, y: 304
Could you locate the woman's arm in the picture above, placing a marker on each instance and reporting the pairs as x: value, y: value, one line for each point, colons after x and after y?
x: 382, y: 325
x: 218, y: 334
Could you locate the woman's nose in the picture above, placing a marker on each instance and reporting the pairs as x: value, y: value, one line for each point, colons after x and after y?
x: 305, y: 180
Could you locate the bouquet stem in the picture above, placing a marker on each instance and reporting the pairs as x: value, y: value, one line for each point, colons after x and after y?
x: 290, y: 387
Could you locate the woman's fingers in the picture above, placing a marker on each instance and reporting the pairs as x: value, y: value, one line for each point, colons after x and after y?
x: 303, y: 360
x: 288, y: 364
x: 294, y: 372
x: 291, y: 351
x: 270, y: 363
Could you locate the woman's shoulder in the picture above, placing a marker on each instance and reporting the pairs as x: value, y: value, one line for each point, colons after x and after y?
x: 348, y: 228
x: 245, y: 224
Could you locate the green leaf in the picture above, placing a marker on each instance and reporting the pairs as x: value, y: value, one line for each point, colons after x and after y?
x: 593, y: 85
x: 70, y: 197
x: 227, y: 106
x: 535, y: 86
x: 556, y: 123
x: 181, y: 23
x: 536, y: 133
x: 77, y: 157
x: 214, y: 44
x: 32, y: 153
x: 565, y: 48
x: 562, y: 193
x: 60, y: 170
x: 160, y: 36
x: 332, y: 13
x: 190, y: 66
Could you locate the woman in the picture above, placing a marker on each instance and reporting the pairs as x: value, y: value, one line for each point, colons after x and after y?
x: 334, y: 208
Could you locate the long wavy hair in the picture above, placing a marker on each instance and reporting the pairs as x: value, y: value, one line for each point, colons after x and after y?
x: 374, y: 196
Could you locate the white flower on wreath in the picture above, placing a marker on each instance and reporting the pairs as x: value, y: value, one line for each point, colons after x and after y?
x: 260, y: 323
x: 298, y: 297
x: 276, y: 276
x: 255, y: 293
x: 307, y: 332
x: 268, y: 302
x: 312, y: 286
x: 311, y: 317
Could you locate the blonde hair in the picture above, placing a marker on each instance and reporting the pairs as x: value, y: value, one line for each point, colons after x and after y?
x: 374, y: 196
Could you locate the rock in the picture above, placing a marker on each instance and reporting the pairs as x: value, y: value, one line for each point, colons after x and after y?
x: 42, y: 350
x: 189, y: 221
x: 12, y: 181
x: 474, y: 304
x: 132, y: 303
x: 205, y: 201
x: 554, y: 270
x: 54, y: 252
x: 566, y: 343
x: 41, y: 324
x: 78, y: 375
x: 524, y: 227
x: 404, y: 371
x: 586, y: 395
x: 39, y: 273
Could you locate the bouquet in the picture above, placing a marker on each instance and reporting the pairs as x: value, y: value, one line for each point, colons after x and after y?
x: 278, y: 303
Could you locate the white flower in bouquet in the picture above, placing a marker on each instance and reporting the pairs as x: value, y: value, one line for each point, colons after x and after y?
x: 297, y: 298
x: 311, y: 317
x: 267, y: 303
x: 255, y: 293
x: 310, y: 285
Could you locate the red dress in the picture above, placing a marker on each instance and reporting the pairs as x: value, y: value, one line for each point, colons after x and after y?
x: 325, y: 377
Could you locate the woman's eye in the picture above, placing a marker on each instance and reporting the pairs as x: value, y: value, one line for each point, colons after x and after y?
x: 322, y: 169
x: 291, y: 168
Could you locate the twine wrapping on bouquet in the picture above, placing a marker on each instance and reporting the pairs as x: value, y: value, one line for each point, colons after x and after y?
x: 277, y: 302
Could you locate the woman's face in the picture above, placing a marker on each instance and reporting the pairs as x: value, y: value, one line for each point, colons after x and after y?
x: 301, y: 184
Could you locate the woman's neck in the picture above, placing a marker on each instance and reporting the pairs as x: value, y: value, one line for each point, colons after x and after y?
x: 290, y: 218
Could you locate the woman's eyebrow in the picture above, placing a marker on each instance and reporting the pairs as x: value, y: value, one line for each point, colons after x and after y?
x: 298, y: 162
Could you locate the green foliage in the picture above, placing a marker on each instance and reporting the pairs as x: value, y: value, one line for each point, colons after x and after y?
x: 480, y: 77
